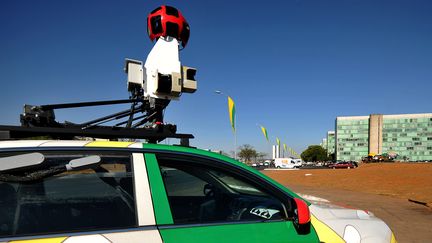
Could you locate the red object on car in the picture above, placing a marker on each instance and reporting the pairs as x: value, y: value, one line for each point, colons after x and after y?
x: 168, y: 21
x: 303, y: 213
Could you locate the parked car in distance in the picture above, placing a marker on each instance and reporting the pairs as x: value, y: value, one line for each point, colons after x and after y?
x: 343, y: 165
x: 267, y: 162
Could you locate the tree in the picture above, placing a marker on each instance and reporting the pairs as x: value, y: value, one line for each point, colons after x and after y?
x: 314, y: 153
x: 261, y: 155
x: 247, y: 152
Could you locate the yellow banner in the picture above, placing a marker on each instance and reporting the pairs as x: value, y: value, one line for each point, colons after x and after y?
x: 231, y: 111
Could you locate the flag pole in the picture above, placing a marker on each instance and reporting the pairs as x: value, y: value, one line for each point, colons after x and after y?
x: 233, y: 119
x: 235, y: 136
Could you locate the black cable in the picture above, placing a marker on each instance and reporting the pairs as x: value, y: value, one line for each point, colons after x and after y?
x: 33, y: 176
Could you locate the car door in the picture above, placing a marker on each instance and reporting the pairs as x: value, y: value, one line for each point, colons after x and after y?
x: 201, y: 199
x: 106, y: 202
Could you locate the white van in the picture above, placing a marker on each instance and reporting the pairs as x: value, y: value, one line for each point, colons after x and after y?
x: 287, y: 163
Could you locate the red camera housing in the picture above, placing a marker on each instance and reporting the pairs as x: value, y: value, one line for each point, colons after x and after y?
x: 168, y: 21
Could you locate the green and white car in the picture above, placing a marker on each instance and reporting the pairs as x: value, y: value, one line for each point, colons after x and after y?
x: 95, y: 191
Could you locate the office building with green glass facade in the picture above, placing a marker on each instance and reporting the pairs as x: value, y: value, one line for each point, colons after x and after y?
x: 323, y: 144
x: 410, y: 136
x: 330, y: 142
x: 407, y: 135
x: 352, y: 137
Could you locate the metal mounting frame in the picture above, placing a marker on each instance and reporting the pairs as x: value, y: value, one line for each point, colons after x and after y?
x: 40, y: 121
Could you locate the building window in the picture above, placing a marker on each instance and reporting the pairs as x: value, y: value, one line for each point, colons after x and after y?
x: 417, y: 143
x: 429, y: 148
x: 410, y: 148
x: 416, y: 139
x: 429, y: 138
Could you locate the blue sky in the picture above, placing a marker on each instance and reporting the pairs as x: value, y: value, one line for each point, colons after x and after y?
x: 292, y: 66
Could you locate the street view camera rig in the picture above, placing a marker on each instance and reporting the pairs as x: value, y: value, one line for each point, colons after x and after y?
x: 151, y: 87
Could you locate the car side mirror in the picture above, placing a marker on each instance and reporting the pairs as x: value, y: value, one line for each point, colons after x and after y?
x: 302, y: 216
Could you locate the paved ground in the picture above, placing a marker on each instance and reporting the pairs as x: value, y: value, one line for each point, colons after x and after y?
x: 383, y: 189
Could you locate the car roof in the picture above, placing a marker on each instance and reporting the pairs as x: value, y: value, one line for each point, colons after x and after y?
x: 25, y: 144
x: 29, y: 144
x: 61, y: 143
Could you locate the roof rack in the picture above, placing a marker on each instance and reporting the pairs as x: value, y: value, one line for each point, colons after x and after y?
x: 151, y: 135
x: 40, y: 121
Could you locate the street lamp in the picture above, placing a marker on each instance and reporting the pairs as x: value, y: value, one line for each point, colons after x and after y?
x: 233, y: 118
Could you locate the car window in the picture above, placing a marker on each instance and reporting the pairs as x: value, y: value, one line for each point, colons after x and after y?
x: 182, y: 184
x: 96, y: 197
x: 203, y: 194
x: 236, y: 184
